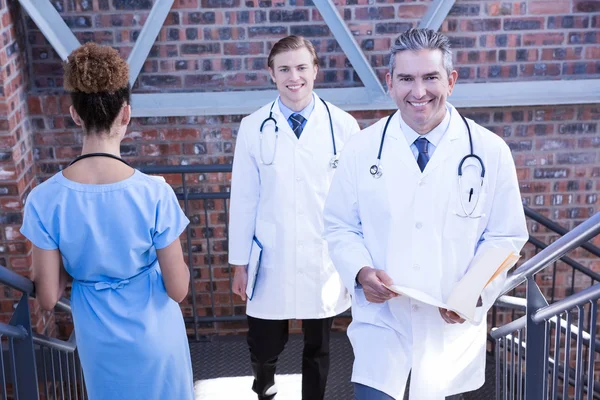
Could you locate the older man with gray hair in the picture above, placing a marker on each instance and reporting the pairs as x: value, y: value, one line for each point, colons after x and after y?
x: 417, y: 196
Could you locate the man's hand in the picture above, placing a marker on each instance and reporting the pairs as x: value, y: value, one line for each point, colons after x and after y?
x: 451, y: 317
x: 240, y: 280
x: 372, y: 281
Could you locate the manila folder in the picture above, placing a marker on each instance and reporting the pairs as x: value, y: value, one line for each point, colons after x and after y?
x: 484, y: 268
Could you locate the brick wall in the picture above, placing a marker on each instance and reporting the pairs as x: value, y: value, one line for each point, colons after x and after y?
x: 16, y: 159
x: 209, y: 45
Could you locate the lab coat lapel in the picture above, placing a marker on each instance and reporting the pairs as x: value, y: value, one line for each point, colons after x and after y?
x: 398, y: 148
x: 317, y: 121
x: 449, y: 145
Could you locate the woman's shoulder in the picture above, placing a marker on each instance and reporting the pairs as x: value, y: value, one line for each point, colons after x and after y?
x: 154, y: 183
x: 45, y: 190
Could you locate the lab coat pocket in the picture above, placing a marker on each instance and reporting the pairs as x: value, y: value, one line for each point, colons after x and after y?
x: 464, y: 218
x: 265, y: 232
x: 363, y: 310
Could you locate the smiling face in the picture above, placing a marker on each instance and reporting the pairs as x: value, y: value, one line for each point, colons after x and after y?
x: 420, y: 85
x: 294, y: 72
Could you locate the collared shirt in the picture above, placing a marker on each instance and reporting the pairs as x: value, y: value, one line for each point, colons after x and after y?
x: 305, y: 112
x: 434, y: 136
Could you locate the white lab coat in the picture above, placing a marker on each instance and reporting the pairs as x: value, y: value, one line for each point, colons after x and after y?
x: 404, y: 223
x: 282, y: 204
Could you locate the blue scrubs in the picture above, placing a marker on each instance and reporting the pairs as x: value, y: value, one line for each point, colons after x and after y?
x: 130, y: 334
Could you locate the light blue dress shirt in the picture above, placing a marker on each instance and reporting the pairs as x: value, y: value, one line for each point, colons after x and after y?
x: 306, y: 111
x: 434, y: 136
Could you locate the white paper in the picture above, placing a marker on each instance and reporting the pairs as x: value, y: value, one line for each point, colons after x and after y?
x: 465, y: 294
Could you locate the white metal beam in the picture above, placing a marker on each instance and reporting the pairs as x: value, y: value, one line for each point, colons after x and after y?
x: 143, y: 44
x: 465, y: 95
x: 229, y: 103
x: 436, y: 14
x: 52, y: 26
x: 346, y: 40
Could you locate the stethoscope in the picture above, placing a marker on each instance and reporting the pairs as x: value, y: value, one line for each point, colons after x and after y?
x: 333, y: 163
x: 81, y: 157
x: 376, y: 170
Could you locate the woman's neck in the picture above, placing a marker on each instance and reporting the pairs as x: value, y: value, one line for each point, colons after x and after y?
x: 101, y: 143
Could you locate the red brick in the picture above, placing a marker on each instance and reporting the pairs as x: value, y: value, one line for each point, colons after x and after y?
x: 545, y: 7
x: 592, y: 53
x: 570, y: 53
x: 411, y: 11
x: 183, y: 4
x: 586, y: 6
x: 542, y: 39
x: 374, y: 13
x: 35, y: 107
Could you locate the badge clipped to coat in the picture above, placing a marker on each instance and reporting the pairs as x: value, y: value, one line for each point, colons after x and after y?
x: 253, y: 266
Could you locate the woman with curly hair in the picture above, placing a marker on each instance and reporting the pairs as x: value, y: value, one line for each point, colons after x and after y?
x: 115, y: 231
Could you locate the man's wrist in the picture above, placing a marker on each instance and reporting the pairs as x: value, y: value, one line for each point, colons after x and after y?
x: 357, y: 279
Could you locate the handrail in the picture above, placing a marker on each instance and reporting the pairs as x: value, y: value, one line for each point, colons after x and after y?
x: 567, y: 260
x: 518, y: 324
x: 54, y: 343
x: 26, y: 286
x: 17, y: 332
x: 573, y: 239
x: 509, y: 328
x: 16, y: 281
x: 517, y: 303
x: 590, y: 294
x: 561, y: 230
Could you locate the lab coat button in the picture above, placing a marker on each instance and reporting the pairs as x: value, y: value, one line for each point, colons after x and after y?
x: 298, y: 179
x: 415, y: 308
x: 416, y: 267
x: 418, y: 225
x: 421, y: 183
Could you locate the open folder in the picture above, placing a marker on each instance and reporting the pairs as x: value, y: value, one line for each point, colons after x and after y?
x: 485, y: 267
x: 253, y: 267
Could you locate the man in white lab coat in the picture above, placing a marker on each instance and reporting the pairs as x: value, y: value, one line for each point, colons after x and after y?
x: 280, y: 180
x: 401, y: 217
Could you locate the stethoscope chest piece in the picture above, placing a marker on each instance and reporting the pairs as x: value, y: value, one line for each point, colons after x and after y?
x: 376, y: 171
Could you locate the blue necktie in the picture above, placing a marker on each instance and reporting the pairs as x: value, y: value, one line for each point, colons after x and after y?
x: 297, y: 120
x: 423, y: 147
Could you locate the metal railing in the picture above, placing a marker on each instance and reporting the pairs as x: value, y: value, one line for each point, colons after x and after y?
x: 579, y: 275
x: 211, y: 276
x: 548, y: 353
x: 34, y: 366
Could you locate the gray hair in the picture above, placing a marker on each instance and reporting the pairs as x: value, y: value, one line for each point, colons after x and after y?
x: 422, y: 39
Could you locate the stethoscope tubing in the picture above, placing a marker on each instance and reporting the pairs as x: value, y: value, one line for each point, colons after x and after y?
x: 334, y: 160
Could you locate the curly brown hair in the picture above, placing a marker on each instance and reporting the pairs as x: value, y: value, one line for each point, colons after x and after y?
x: 92, y: 69
x: 98, y: 81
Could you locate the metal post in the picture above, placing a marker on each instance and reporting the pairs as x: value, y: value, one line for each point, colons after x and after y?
x: 24, y: 355
x: 535, y: 338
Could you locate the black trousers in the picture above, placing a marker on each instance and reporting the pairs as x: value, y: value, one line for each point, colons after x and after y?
x: 266, y: 340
